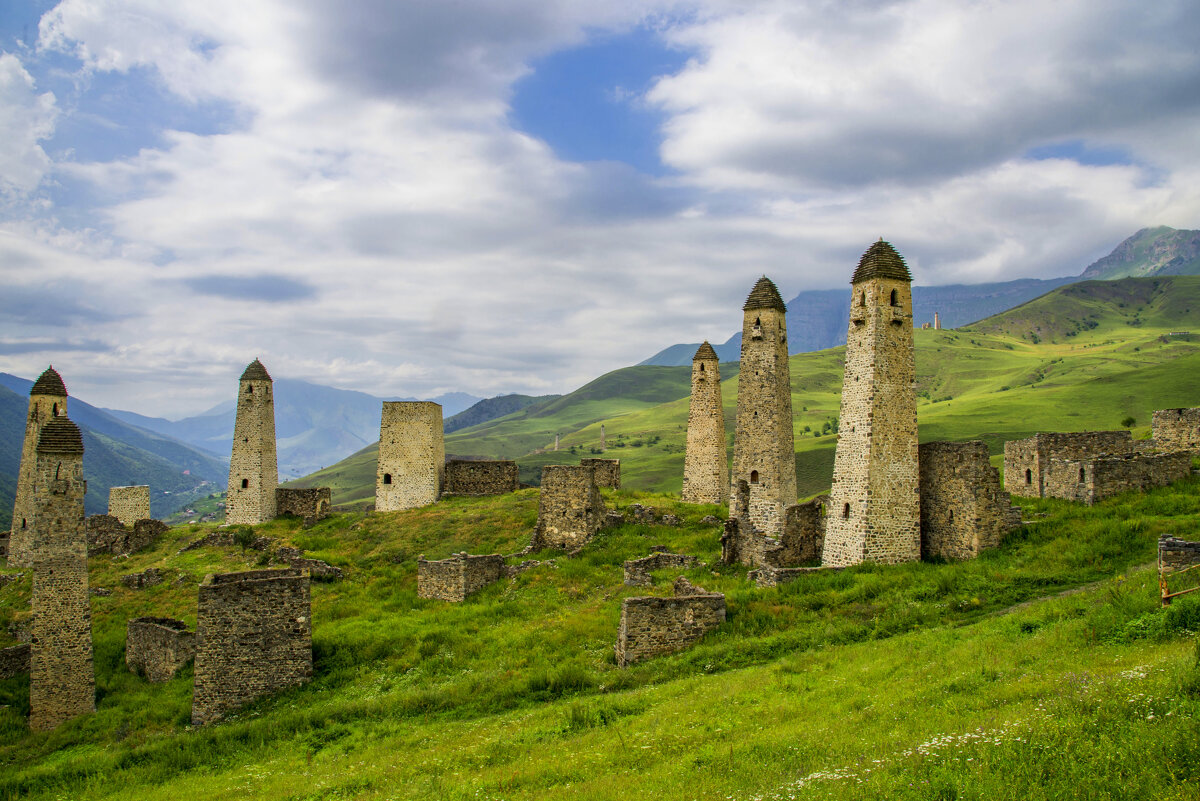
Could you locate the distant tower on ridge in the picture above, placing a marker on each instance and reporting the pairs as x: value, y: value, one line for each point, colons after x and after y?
x: 874, y: 506
x: 253, y: 467
x: 47, y: 400
x: 705, y: 465
x: 764, y: 452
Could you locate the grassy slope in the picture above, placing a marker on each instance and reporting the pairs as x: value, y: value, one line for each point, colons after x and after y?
x: 912, y: 681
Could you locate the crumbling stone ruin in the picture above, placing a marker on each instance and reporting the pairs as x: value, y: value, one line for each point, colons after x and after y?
x: 253, y: 467
x: 570, y: 509
x: 412, y: 456
x: 149, y: 577
x: 774, y: 576
x: 311, y: 504
x: 875, y: 511
x: 129, y: 504
x: 14, y: 660
x: 106, y: 534
x: 455, y: 578
x: 651, y: 626
x: 47, y: 400
x: 467, y: 477
x: 764, y: 446
x: 800, y: 540
x: 606, y: 471
x: 705, y: 462
x: 1177, y: 556
x: 637, y: 571
x: 1177, y: 429
x: 158, y: 647
x: 1091, y: 480
x: 317, y: 570
x: 1026, y: 461
x: 61, y: 679
x: 963, y: 508
x: 253, y: 638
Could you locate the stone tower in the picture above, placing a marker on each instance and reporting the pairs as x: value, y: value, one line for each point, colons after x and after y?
x: 764, y: 453
x: 412, y: 456
x: 62, y: 682
x: 253, y: 468
x: 874, y: 509
x: 47, y: 400
x: 705, y: 466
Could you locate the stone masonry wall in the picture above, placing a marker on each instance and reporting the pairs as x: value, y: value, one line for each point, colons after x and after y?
x: 464, y: 477
x: 652, y: 626
x: 607, y: 472
x: 253, y: 465
x: 455, y: 578
x: 637, y: 571
x: 312, y: 504
x: 14, y: 660
x: 1091, y: 480
x: 1177, y: 429
x: 1176, y: 554
x: 412, y: 456
x: 129, y: 504
x: 158, y: 647
x: 42, y: 408
x: 801, y: 539
x: 253, y: 638
x: 105, y: 534
x: 570, y: 509
x: 705, y: 462
x: 61, y: 677
x: 963, y: 508
x: 1027, y: 460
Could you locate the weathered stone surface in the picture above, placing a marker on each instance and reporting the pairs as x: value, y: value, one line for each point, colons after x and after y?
x: 224, y: 539
x: 963, y: 509
x: 705, y: 462
x: 253, y: 466
x: 253, y: 638
x: 711, y: 520
x: 637, y: 571
x: 1091, y: 480
x: 570, y: 509
x: 106, y: 534
x: 874, y: 513
x: 607, y: 472
x: 800, y: 541
x: 1175, y: 554
x: 129, y: 504
x: 1177, y: 429
x: 643, y: 514
x: 1027, y: 460
x: 312, y: 504
x: 412, y: 456
x: 317, y: 570
x: 764, y: 446
x: 47, y: 400
x: 614, y: 517
x: 468, y: 477
x: 149, y: 577
x: 157, y: 647
x: 652, y: 626
x: 774, y: 576
x: 14, y: 660
x: 455, y: 578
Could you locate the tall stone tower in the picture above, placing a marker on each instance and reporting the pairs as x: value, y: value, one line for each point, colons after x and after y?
x: 412, y: 456
x: 705, y: 466
x: 253, y: 468
x: 874, y: 509
x: 47, y: 400
x: 764, y: 452
x: 62, y: 682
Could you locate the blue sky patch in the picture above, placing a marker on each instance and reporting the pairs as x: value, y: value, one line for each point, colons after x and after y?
x: 1080, y: 151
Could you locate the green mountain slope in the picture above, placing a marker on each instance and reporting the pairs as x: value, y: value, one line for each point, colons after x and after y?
x: 491, y: 408
x: 1151, y: 251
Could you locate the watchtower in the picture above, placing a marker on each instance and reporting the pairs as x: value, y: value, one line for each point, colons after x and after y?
x: 253, y: 467
x: 705, y: 465
x: 47, y: 400
x: 764, y: 453
x: 874, y: 511
x: 412, y: 456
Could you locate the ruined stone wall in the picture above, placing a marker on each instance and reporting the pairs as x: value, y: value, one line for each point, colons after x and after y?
x: 652, y: 626
x: 253, y: 466
x: 105, y: 534
x: 129, y: 504
x: 637, y: 571
x: 1175, y: 554
x: 1092, y: 480
x: 455, y: 578
x: 14, y: 660
x: 412, y: 456
x: 800, y: 540
x: 61, y: 677
x: 764, y: 444
x: 157, y: 647
x: 607, y: 472
x: 45, y: 403
x: 253, y: 638
x: 1177, y: 429
x: 874, y: 513
x: 570, y: 509
x: 464, y: 477
x: 1027, y: 460
x: 964, y: 510
x: 705, y: 462
x: 312, y: 504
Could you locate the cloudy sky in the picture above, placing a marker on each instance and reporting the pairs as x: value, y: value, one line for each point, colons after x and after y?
x: 415, y: 196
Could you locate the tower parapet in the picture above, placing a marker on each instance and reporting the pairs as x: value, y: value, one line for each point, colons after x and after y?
x: 47, y: 400
x: 705, y: 464
x: 253, y: 465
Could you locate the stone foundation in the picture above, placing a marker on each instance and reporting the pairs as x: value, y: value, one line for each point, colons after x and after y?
x: 455, y: 578
x: 774, y: 576
x: 1027, y: 460
x: 157, y: 647
x: 651, y: 626
x: 607, y: 472
x: 963, y: 508
x: 106, y: 534
x: 311, y: 504
x: 801, y: 539
x: 1177, y: 429
x: 129, y: 504
x: 1176, y: 554
x: 465, y: 477
x: 637, y: 571
x: 1092, y: 480
x: 14, y: 660
x: 570, y: 509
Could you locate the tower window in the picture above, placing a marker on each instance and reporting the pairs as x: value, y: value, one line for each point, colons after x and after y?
x: 951, y: 520
x: 250, y: 390
x: 702, y: 367
x: 753, y: 476
x: 862, y: 299
x: 387, y: 478
x: 1028, y: 476
x: 245, y: 483
x: 23, y: 523
x: 1081, y: 475
x: 846, y: 511
x: 54, y: 411
x: 895, y: 299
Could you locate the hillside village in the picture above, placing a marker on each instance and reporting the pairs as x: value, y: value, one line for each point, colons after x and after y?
x: 464, y: 597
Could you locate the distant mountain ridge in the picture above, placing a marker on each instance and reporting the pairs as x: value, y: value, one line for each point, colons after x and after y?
x: 491, y: 408
x: 1150, y: 252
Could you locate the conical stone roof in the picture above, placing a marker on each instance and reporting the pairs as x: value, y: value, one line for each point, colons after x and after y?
x: 60, y: 435
x: 49, y: 383
x: 881, y: 261
x: 255, y: 372
x: 705, y: 353
x: 764, y: 296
